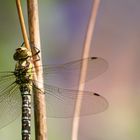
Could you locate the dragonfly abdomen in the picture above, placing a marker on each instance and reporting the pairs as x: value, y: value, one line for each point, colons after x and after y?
x: 26, y: 115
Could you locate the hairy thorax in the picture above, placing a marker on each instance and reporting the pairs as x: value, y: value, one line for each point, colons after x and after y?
x: 24, y: 74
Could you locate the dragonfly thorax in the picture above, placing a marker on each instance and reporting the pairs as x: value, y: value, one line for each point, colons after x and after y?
x: 23, y: 69
x: 23, y: 76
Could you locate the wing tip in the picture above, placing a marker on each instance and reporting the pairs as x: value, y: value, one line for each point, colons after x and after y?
x: 93, y: 57
x: 96, y: 94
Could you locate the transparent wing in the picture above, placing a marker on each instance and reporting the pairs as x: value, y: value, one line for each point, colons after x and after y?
x: 68, y: 74
x: 61, y: 102
x: 10, y: 99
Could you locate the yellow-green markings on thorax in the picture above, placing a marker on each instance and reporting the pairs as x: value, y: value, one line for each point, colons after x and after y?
x: 23, y: 68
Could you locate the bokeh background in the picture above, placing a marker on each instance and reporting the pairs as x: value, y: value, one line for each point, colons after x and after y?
x: 117, y: 40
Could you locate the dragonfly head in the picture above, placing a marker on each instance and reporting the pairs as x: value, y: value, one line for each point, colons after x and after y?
x: 22, y: 53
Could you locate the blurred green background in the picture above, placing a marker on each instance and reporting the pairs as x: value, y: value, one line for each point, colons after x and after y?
x: 117, y: 39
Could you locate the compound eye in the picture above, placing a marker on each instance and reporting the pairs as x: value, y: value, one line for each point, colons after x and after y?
x: 22, y: 53
x: 18, y: 49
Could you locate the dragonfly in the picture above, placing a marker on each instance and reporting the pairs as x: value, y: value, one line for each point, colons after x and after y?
x: 16, y: 89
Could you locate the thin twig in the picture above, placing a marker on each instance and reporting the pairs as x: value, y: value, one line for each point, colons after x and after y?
x: 39, y: 98
x: 86, y: 49
x: 22, y: 24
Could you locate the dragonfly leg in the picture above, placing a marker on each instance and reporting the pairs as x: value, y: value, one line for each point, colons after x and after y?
x: 37, y: 88
x: 22, y: 44
x: 36, y: 52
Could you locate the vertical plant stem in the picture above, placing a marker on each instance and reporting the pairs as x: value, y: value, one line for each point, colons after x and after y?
x: 39, y: 97
x: 86, y: 49
x: 22, y: 24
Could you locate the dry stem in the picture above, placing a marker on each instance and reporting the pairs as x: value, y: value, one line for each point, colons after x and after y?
x: 86, y: 49
x: 22, y: 24
x: 39, y: 98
